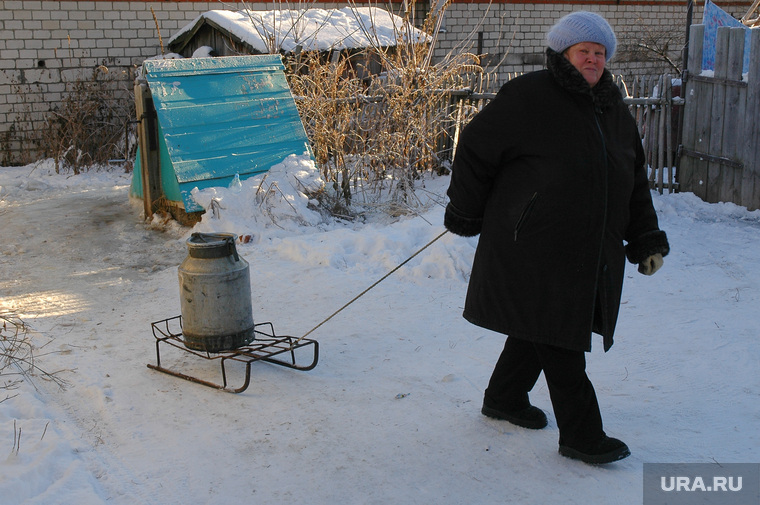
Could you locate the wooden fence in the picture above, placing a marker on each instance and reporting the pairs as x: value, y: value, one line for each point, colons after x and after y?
x: 654, y: 102
x: 720, y: 158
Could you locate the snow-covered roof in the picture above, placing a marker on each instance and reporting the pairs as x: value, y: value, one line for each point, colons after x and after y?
x: 311, y: 29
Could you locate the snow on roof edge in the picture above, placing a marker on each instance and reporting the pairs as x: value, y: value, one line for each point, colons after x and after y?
x: 311, y: 29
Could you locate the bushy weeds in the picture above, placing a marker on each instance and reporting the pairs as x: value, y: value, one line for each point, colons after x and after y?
x: 379, y: 118
x: 18, y: 358
x: 91, y: 126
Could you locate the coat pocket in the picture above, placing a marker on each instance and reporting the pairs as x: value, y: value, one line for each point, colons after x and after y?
x: 525, y: 215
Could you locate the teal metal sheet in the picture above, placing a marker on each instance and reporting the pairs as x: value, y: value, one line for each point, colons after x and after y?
x: 223, y: 116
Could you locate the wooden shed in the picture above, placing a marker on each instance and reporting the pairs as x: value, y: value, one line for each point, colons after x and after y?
x: 349, y: 30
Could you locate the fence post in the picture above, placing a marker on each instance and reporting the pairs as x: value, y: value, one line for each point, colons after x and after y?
x: 750, y: 193
x: 662, y: 144
x: 734, y: 113
x: 668, y: 146
x: 692, y: 176
x: 715, y: 181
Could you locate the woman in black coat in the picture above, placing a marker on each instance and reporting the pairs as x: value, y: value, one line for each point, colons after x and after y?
x: 552, y: 175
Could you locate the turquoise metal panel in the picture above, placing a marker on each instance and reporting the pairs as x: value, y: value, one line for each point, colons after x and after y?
x: 223, y: 116
x: 135, y: 188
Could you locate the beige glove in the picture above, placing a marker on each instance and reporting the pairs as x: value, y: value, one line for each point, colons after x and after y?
x: 650, y: 265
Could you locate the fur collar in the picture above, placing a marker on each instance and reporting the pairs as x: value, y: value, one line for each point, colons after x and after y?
x: 604, y: 94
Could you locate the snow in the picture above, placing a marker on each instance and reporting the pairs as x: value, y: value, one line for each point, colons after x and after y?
x: 203, y: 52
x: 312, y: 29
x: 391, y: 413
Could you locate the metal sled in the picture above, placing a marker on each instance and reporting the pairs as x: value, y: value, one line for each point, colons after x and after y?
x: 267, y: 346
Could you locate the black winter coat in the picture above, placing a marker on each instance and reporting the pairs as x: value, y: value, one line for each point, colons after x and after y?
x: 552, y: 175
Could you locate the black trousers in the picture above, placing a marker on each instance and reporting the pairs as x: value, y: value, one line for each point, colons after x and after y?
x: 572, y: 395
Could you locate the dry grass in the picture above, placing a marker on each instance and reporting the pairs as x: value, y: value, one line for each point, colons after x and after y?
x: 373, y: 136
x: 91, y: 126
x: 18, y: 358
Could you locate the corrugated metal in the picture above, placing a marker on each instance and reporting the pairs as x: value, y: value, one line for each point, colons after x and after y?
x: 222, y: 116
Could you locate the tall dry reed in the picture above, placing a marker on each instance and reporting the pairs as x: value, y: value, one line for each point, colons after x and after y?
x: 377, y: 117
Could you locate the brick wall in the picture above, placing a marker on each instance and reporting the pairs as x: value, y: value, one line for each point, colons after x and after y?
x: 514, y: 34
x: 47, y: 46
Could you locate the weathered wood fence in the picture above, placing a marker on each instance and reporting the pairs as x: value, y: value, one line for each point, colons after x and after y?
x: 654, y: 103
x: 720, y: 158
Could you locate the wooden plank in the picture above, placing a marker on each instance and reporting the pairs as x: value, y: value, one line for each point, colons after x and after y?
x: 646, y: 118
x: 715, y: 172
x: 661, y: 145
x: 690, y: 177
x: 150, y: 162
x: 750, y: 193
x: 734, y: 117
x: 668, y: 147
x: 651, y: 131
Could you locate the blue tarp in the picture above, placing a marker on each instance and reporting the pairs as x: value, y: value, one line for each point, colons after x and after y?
x: 713, y: 18
x: 219, y: 117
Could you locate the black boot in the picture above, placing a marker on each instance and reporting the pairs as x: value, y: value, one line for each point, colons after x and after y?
x: 604, y: 450
x: 529, y: 417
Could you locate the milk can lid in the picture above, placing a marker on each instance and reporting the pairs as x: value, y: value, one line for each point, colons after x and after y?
x: 212, y: 245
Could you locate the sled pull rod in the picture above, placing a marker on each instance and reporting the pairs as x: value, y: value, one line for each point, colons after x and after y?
x: 373, y: 285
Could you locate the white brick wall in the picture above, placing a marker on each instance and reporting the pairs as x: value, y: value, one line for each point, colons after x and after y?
x: 518, y: 31
x: 47, y: 45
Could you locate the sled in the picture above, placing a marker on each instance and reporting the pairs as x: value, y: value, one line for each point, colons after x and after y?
x: 267, y: 346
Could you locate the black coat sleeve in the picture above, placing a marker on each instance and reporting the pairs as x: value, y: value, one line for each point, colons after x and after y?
x: 458, y: 223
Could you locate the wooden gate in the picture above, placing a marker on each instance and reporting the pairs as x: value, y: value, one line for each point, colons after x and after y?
x: 720, y: 154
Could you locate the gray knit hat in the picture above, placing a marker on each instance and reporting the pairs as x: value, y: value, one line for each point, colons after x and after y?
x: 582, y: 26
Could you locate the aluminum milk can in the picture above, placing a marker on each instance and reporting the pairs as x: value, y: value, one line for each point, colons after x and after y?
x: 215, y: 294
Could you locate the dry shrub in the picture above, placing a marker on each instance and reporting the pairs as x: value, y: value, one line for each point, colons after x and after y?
x: 13, y: 346
x: 17, y: 357
x: 91, y: 126
x: 373, y: 135
x: 663, y: 43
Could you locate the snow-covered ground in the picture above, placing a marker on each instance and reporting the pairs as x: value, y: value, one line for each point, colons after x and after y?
x: 391, y: 413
